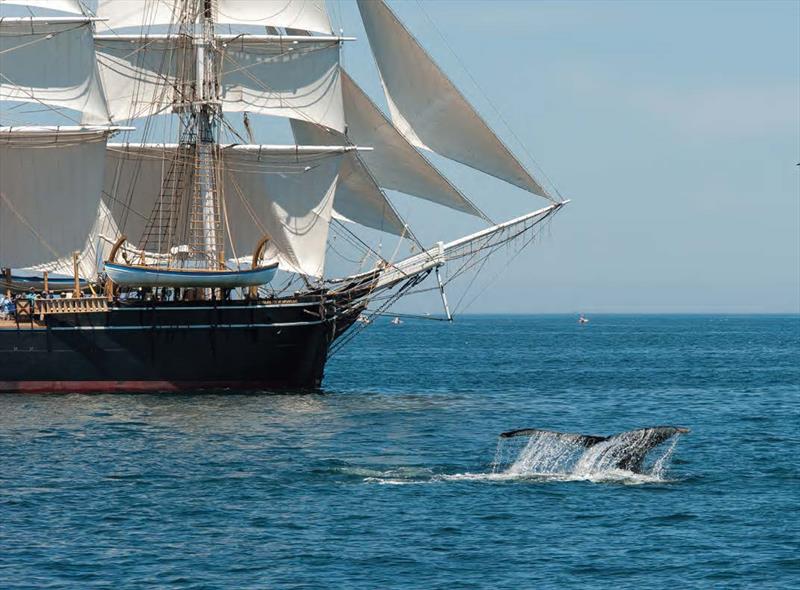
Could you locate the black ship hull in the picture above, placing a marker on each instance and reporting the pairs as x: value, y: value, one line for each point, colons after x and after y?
x: 172, y: 346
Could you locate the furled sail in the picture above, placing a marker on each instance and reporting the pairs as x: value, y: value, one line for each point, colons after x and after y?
x: 71, y: 6
x: 284, y: 193
x: 359, y: 199
x: 120, y: 14
x: 306, y: 15
x: 296, y: 80
x: 51, y: 63
x: 50, y: 185
x: 147, y: 76
x: 428, y: 109
x: 394, y: 162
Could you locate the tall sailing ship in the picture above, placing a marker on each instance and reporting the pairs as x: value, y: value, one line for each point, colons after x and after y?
x: 198, y: 259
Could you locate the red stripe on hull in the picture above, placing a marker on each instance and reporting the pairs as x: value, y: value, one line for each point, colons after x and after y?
x: 127, y: 386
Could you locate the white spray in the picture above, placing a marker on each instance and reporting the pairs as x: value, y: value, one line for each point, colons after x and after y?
x: 548, y: 455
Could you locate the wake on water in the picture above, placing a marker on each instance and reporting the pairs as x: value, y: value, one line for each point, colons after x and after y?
x: 546, y: 456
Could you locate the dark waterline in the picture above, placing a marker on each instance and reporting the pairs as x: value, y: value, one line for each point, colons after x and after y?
x: 359, y: 485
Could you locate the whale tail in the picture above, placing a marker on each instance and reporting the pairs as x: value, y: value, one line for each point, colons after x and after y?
x: 633, y: 445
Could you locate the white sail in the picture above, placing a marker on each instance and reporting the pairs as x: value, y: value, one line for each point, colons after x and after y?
x: 50, y: 187
x: 297, y: 80
x: 305, y: 15
x: 428, y: 109
x: 284, y: 192
x: 95, y: 251
x: 120, y: 14
x: 145, y: 77
x: 394, y: 162
x: 70, y: 6
x: 359, y: 199
x: 51, y: 63
x: 132, y: 185
x: 290, y: 199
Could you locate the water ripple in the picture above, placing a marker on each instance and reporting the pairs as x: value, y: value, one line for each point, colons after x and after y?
x: 386, y: 478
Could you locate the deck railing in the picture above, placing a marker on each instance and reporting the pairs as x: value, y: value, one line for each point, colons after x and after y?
x: 27, y: 309
x: 75, y: 305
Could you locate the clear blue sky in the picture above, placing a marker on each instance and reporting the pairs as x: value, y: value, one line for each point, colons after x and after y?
x: 673, y: 126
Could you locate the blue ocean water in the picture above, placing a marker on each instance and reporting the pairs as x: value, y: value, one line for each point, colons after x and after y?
x: 384, y: 479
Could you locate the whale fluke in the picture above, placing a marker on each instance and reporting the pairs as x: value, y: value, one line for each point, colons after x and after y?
x: 631, y: 447
x: 587, y: 440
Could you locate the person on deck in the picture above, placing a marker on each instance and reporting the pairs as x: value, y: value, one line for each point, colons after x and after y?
x: 6, y: 306
x: 11, y: 308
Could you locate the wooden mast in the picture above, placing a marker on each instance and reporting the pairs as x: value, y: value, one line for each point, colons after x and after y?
x: 76, y: 291
x: 205, y: 224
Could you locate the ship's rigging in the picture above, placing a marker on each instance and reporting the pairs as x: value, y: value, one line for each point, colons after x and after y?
x: 202, y: 197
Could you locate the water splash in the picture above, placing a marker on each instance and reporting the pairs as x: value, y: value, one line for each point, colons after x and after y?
x: 660, y: 465
x: 544, y: 454
x: 627, y: 457
x: 548, y: 456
